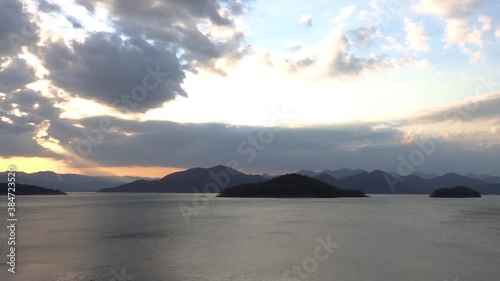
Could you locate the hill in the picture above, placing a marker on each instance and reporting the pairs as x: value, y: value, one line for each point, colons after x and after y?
x: 191, y: 180
x: 24, y: 189
x: 290, y: 185
x: 455, y: 192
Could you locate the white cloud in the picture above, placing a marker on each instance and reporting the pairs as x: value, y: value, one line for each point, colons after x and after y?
x: 306, y: 19
x: 448, y: 8
x: 497, y: 33
x: 335, y: 58
x: 485, y: 22
x: 458, y: 32
x: 406, y: 61
x: 457, y: 16
x: 344, y: 14
x: 392, y: 45
x: 473, y: 56
x: 416, y: 38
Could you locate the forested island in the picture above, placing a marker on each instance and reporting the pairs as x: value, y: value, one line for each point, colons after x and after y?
x: 24, y: 189
x: 455, y: 192
x: 289, y: 186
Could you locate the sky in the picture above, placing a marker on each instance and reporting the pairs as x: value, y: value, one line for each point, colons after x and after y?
x: 147, y: 88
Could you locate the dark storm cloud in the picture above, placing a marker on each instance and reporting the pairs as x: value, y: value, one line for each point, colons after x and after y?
x: 15, y: 76
x: 113, y: 71
x: 16, y: 29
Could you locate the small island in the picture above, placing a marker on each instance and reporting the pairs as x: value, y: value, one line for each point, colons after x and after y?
x: 289, y: 186
x: 455, y: 192
x: 24, y: 189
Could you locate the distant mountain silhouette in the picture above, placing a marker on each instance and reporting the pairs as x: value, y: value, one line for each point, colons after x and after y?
x: 69, y: 182
x: 24, y: 189
x: 376, y: 182
x: 455, y: 192
x: 268, y: 176
x: 290, y: 185
x: 326, y: 178
x: 190, y: 180
x: 309, y: 173
x: 338, y: 174
x: 485, y: 178
x: 425, y: 176
x: 185, y: 181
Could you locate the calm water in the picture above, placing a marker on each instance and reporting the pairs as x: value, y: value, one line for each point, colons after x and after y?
x: 88, y: 236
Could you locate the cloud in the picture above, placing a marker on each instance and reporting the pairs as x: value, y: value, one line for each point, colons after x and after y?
x: 474, y: 56
x: 15, y: 75
x: 479, y: 107
x: 306, y: 20
x: 416, y: 38
x: 363, y: 36
x: 16, y: 29
x: 48, y: 6
x: 449, y: 8
x: 21, y: 145
x: 147, y: 37
x: 344, y: 14
x: 22, y: 114
x: 185, y: 145
x: 336, y: 57
x: 27, y: 109
x: 458, y: 32
x: 110, y: 70
x: 407, y: 61
x: 392, y: 45
x: 74, y: 22
x: 203, y: 29
x: 368, y: 146
x: 485, y: 22
x: 332, y: 57
x: 456, y: 14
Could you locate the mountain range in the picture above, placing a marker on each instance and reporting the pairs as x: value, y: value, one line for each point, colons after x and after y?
x: 68, y: 182
x: 191, y: 180
x: 382, y: 182
x: 196, y: 179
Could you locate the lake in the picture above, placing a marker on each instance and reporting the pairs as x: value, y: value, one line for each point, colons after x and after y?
x: 118, y: 237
